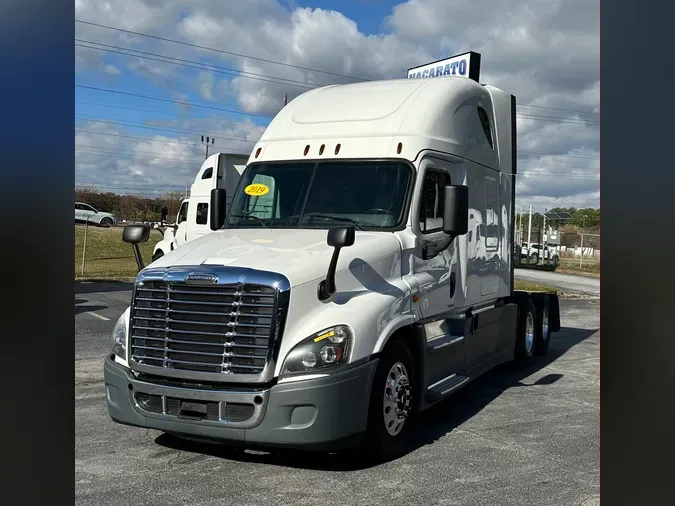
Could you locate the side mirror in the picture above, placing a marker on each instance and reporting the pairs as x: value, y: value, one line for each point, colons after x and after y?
x: 456, y: 210
x: 455, y: 219
x: 338, y: 238
x: 136, y: 234
x: 341, y: 237
x: 217, y: 209
x: 165, y: 213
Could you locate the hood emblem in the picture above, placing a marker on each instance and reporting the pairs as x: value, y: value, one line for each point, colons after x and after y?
x: 201, y: 278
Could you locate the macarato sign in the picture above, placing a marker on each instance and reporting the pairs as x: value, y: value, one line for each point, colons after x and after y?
x: 461, y: 65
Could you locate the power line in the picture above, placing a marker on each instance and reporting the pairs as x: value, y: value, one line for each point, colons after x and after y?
x: 135, y: 137
x: 111, y: 106
x: 194, y: 64
x: 198, y: 104
x: 172, y: 101
x: 140, y: 158
x: 230, y: 53
x: 162, y: 129
x: 115, y: 149
x: 240, y: 55
x: 236, y: 139
x: 277, y: 80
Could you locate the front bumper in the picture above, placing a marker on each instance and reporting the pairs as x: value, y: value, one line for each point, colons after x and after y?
x: 323, y: 413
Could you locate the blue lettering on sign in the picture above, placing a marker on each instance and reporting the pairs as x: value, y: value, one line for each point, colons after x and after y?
x: 450, y: 69
x: 462, y: 67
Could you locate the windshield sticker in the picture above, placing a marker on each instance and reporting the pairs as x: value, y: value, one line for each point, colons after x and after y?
x: 256, y: 190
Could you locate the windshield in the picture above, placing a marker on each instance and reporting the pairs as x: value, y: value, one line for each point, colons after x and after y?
x: 371, y: 195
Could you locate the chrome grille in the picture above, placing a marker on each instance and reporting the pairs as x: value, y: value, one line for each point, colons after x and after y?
x: 222, y: 328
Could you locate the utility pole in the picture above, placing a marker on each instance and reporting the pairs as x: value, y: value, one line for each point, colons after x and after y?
x: 529, y: 237
x: 211, y: 140
x: 543, y: 241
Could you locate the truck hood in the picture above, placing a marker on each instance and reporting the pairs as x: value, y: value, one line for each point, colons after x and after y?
x: 299, y: 254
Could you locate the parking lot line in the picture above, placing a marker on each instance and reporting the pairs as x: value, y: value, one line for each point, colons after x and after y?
x: 98, y: 316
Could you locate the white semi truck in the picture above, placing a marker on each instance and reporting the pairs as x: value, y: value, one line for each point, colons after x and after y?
x: 220, y: 170
x: 354, y: 298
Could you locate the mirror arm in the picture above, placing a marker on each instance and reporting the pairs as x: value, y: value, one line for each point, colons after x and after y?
x: 327, y: 286
x: 139, y: 258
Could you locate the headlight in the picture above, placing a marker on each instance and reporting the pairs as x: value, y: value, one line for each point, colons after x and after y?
x: 325, y: 349
x: 119, y: 339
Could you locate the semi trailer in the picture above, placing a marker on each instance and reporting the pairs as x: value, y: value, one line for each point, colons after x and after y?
x: 357, y: 296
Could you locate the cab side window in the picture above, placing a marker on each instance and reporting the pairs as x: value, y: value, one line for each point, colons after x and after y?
x: 182, y: 214
x: 432, y: 200
x: 202, y: 213
x: 485, y: 122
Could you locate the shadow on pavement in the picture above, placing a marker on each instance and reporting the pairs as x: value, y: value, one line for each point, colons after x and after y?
x: 430, y: 426
x: 82, y: 287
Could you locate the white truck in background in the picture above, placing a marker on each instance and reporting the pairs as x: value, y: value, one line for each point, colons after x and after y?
x: 354, y: 298
x: 220, y: 170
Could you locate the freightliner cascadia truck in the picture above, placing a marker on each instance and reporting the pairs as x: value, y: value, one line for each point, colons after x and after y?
x: 355, y: 295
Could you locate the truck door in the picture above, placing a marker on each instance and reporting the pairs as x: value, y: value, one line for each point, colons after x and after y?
x: 438, y: 278
x: 180, y: 236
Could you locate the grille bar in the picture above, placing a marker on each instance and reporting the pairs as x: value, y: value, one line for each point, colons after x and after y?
x: 222, y: 328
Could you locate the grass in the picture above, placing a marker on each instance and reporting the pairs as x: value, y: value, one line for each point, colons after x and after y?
x: 526, y: 286
x: 589, y: 267
x: 106, y: 256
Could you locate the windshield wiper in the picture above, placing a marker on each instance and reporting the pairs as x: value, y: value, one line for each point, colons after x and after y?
x: 248, y: 216
x: 335, y: 218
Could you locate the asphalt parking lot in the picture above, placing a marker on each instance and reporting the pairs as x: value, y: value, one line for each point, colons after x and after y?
x: 513, y: 437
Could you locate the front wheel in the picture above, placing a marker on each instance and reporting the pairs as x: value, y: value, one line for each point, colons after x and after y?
x: 106, y: 222
x: 392, y: 401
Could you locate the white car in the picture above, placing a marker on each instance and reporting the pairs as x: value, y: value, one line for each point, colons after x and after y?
x: 84, y: 213
x: 536, y: 253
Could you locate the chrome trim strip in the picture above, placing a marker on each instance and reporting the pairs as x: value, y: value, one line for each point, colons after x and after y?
x: 443, y: 341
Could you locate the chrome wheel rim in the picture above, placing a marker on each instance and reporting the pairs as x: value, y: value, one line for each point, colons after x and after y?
x: 397, y: 398
x: 544, y: 324
x: 529, y: 333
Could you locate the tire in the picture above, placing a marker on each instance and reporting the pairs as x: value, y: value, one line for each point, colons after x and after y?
x: 527, y: 332
x: 385, y: 438
x: 543, y: 328
x: 534, y: 258
x: 159, y: 254
x: 106, y: 222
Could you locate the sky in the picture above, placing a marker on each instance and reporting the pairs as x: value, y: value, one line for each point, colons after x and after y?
x: 153, y: 76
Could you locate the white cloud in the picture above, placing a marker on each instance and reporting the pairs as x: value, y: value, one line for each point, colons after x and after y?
x: 545, y: 51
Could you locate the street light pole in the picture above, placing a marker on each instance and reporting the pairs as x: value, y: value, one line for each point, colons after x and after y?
x: 210, y: 140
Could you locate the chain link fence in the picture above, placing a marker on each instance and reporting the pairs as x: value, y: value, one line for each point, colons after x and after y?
x: 100, y: 253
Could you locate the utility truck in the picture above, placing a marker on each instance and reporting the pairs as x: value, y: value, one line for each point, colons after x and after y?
x: 353, y: 298
x: 220, y: 170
